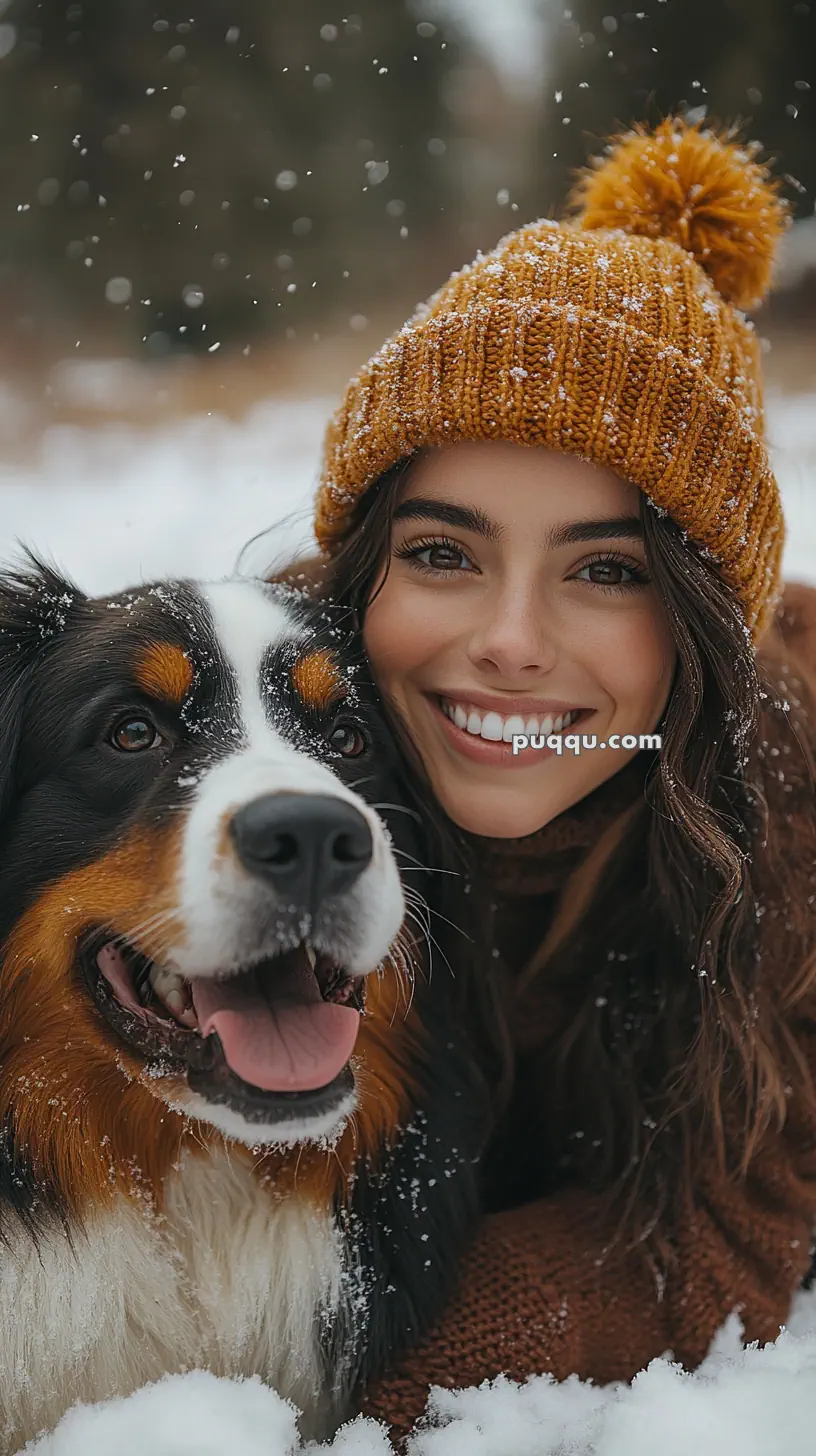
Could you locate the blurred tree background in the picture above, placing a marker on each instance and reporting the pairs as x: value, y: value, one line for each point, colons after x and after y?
x: 752, y: 62
x: 182, y: 177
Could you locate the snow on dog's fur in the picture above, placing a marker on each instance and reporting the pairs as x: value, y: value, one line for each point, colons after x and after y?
x: 239, y: 1123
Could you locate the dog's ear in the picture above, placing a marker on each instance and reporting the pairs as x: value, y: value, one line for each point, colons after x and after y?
x: 35, y: 603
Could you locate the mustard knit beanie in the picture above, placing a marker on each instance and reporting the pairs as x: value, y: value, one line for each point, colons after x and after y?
x: 617, y: 336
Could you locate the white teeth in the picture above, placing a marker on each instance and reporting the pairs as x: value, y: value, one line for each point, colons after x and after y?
x: 511, y: 726
x: 492, y: 727
x: 174, y: 1001
x: 173, y: 993
x: 163, y: 981
x: 495, y: 729
x: 311, y: 956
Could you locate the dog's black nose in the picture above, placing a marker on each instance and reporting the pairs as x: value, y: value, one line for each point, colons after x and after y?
x: 308, y: 846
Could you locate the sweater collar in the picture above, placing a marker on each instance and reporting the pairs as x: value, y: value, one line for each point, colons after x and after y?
x: 540, y: 863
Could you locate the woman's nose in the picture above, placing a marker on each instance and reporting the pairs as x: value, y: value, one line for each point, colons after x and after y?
x: 511, y: 637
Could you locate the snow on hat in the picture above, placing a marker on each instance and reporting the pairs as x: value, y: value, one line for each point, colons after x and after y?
x: 617, y: 336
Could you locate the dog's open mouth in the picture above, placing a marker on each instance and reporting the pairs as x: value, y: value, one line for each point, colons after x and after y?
x: 271, y: 1041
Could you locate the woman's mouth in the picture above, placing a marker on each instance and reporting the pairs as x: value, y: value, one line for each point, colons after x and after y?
x: 485, y: 736
x: 496, y: 728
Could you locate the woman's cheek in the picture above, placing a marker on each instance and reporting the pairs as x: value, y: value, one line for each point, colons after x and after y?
x: 627, y: 650
x: 405, y: 628
x: 393, y: 640
x: 639, y: 666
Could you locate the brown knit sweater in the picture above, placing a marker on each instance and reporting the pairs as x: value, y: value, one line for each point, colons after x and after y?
x: 539, y: 1288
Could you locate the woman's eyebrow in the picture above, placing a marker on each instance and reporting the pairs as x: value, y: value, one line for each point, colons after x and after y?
x: 467, y: 518
x: 470, y: 518
x: 574, y: 531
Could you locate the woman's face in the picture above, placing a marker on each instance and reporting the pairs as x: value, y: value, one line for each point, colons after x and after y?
x: 517, y: 592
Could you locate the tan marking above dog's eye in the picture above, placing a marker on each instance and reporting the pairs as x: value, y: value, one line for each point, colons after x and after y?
x: 318, y: 680
x: 165, y: 671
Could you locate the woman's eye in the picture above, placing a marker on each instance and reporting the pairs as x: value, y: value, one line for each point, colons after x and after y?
x: 442, y: 558
x: 440, y: 555
x: 610, y: 573
x: 347, y: 739
x: 133, y: 735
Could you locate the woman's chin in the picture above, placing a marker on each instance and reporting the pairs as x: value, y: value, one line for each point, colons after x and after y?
x: 508, y: 817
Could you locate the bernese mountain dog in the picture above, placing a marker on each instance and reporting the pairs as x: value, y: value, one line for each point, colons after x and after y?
x: 240, y: 1113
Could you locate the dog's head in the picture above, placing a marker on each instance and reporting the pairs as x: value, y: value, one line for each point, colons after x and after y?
x: 192, y: 888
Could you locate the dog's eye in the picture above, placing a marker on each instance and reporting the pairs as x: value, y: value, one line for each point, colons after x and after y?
x: 132, y: 735
x: 348, y: 739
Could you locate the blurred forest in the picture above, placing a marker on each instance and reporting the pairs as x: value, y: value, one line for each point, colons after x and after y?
x: 182, y: 177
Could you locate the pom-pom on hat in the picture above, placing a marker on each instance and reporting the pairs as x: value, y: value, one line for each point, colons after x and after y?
x: 695, y: 189
x: 615, y: 336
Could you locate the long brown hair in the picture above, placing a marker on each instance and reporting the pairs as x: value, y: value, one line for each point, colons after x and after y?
x: 677, y: 1043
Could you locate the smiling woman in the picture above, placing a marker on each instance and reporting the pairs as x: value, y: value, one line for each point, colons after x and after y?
x: 548, y: 502
x: 516, y: 597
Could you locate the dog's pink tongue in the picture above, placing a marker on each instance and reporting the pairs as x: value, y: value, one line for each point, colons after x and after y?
x: 292, y: 1042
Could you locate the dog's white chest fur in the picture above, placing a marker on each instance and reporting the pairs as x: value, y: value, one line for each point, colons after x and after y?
x: 229, y: 1278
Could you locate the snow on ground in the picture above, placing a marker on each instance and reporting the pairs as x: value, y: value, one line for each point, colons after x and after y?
x: 754, y: 1402
x: 118, y: 504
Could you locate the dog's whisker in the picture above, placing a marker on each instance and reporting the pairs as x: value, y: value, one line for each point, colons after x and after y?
x: 437, y: 914
x: 421, y: 868
x: 400, y: 960
x: 432, y: 942
x: 413, y: 897
x: 400, y: 809
x: 359, y: 783
x: 150, y: 923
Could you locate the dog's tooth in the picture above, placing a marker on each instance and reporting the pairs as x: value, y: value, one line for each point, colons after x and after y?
x: 531, y: 727
x: 311, y: 956
x: 174, y: 994
x: 558, y: 723
x: 164, y: 981
x: 174, y: 1001
x: 474, y: 724
x: 546, y: 725
x: 460, y: 717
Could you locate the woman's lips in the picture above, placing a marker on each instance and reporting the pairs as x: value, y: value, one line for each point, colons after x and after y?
x: 491, y: 753
x: 503, y: 724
